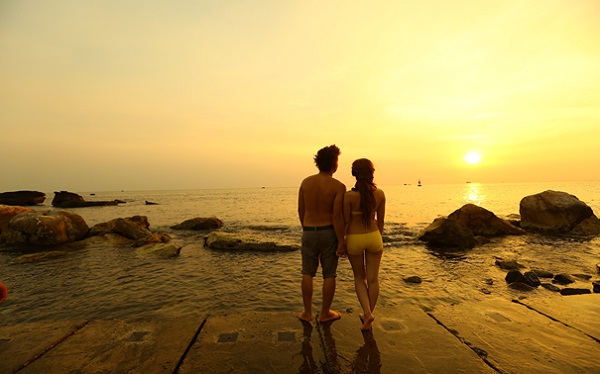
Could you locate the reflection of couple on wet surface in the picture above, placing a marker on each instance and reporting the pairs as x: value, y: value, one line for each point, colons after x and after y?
x: 339, y: 223
x: 367, y: 358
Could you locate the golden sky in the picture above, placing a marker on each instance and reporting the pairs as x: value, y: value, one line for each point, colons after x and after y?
x: 111, y: 95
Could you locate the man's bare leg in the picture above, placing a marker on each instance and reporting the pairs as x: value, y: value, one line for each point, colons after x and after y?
x: 307, y: 295
x: 328, y: 293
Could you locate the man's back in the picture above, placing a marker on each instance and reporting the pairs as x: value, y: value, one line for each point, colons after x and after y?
x: 316, y: 199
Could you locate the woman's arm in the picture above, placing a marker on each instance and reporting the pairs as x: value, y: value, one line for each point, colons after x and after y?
x: 381, y: 213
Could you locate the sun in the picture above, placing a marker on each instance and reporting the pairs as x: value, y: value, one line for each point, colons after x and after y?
x: 473, y: 158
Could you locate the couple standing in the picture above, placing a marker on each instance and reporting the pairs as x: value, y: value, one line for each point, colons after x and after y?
x: 339, y: 223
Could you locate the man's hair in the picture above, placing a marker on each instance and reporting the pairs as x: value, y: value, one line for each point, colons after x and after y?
x: 326, y: 158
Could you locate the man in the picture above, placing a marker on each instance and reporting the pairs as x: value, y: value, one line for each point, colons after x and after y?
x: 320, y: 210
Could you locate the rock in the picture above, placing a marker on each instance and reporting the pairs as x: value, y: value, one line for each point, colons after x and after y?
x: 521, y: 286
x: 229, y: 242
x: 152, y: 239
x: 134, y: 228
x: 44, y: 228
x: 22, y: 198
x: 515, y: 276
x: 413, y: 279
x: 563, y: 278
x: 543, y: 273
x: 550, y: 286
x: 586, y: 228
x: 508, y: 264
x: 574, y: 291
x: 582, y: 276
x: 199, y: 223
x: 443, y: 232
x: 529, y: 278
x: 39, y: 256
x: 598, y: 268
x: 159, y: 250
x: 109, y: 239
x: 554, y: 212
x: 532, y: 279
x: 64, y: 199
x: 150, y: 203
x: 596, y: 286
x: 8, y: 212
x: 483, y: 222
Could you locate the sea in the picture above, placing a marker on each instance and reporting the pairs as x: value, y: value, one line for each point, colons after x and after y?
x: 105, y: 281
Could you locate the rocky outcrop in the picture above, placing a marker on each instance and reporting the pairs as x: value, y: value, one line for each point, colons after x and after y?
x: 8, y: 212
x: 156, y: 237
x: 444, y: 232
x: 230, y: 242
x: 466, y: 227
x: 134, y: 228
x: 22, y: 198
x: 199, y: 223
x: 65, y: 199
x: 131, y: 231
x: 483, y: 222
x: 558, y: 213
x: 44, y: 228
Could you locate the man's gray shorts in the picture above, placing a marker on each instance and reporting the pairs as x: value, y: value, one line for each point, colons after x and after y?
x: 319, y: 244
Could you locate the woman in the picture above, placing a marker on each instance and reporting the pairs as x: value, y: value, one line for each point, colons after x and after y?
x: 364, y: 214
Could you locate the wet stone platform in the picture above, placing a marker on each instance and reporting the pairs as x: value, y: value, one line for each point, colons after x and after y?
x: 561, y: 335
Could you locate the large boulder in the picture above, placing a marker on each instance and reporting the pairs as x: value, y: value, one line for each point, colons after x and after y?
x: 65, y: 199
x: 556, y: 212
x: 444, y: 232
x: 134, y: 228
x: 44, y: 228
x: 199, y: 223
x: 230, y: 242
x: 22, y: 198
x: 483, y: 222
x: 8, y: 212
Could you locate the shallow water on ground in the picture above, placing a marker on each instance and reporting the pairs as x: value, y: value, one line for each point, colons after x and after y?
x: 104, y: 281
x: 111, y: 282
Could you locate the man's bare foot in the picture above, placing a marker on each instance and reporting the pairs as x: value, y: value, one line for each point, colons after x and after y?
x: 367, y: 322
x: 305, y: 317
x: 331, y: 315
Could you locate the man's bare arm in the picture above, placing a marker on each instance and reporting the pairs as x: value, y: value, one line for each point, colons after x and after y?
x: 301, y: 207
x: 338, y: 218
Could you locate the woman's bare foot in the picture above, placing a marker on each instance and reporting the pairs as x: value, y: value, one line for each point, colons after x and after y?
x: 367, y: 322
x: 305, y: 317
x: 331, y: 315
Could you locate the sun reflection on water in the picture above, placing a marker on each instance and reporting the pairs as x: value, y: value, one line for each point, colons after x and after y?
x: 474, y: 193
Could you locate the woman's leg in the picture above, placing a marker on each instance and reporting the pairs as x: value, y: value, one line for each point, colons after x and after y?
x: 360, y: 285
x: 373, y: 260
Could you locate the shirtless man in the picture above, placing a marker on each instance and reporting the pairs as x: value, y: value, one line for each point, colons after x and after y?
x: 321, y: 215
